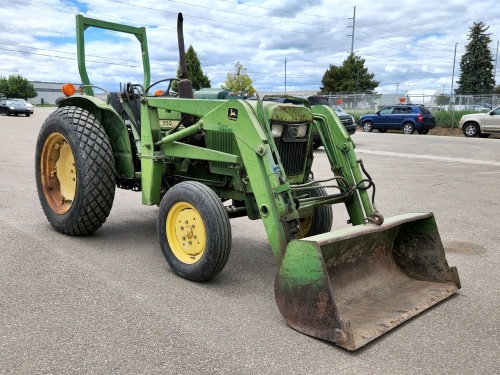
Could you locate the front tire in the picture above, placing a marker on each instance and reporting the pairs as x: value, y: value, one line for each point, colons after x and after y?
x: 367, y: 126
x: 194, y: 231
x: 471, y: 130
x: 74, y: 170
x: 322, y: 219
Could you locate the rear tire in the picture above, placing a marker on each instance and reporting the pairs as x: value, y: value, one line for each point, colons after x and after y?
x: 322, y: 219
x: 194, y: 231
x: 408, y: 128
x: 367, y: 126
x: 74, y: 170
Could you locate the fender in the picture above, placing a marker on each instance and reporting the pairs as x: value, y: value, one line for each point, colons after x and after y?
x: 115, y: 128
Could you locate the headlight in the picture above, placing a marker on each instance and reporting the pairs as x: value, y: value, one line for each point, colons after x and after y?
x: 301, y: 131
x: 12, y: 108
x: 296, y: 131
x: 277, y: 130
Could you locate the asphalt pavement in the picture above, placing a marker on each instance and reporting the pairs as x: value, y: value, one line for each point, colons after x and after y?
x: 109, y: 304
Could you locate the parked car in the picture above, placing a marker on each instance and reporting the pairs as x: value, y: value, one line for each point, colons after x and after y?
x: 346, y: 119
x: 30, y: 106
x: 408, y: 118
x: 480, y: 124
x: 479, y: 108
x: 14, y: 107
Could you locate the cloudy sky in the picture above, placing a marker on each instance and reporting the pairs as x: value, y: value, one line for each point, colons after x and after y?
x: 408, y: 45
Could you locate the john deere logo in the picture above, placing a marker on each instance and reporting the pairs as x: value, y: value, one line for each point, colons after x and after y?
x: 232, y: 114
x: 293, y: 131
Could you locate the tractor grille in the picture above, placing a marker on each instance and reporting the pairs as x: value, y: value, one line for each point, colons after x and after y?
x: 293, y: 155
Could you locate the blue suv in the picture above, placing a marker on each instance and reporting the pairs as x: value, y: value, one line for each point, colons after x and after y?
x: 407, y: 118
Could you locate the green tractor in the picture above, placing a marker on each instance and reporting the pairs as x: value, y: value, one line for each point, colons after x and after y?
x: 205, y: 161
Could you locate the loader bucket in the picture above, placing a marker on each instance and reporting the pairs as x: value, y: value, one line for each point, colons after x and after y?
x: 353, y: 285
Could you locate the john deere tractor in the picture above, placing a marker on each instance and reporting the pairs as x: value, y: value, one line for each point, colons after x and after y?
x: 205, y: 161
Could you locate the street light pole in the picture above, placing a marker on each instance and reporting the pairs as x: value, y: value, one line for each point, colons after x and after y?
x: 285, y: 75
x: 451, y: 91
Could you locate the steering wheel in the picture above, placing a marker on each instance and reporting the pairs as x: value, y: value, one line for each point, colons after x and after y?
x: 165, y: 93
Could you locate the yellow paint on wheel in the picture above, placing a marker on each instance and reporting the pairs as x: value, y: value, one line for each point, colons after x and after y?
x: 305, y: 225
x: 185, y: 232
x: 58, y: 173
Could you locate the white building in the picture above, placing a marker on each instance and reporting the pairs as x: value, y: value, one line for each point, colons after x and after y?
x: 48, y: 92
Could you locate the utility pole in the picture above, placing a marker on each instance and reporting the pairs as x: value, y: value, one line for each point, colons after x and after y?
x: 495, y: 71
x: 451, y: 91
x: 453, y: 72
x: 353, y: 25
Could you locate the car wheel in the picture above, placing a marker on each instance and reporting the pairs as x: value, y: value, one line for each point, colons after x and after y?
x: 382, y: 130
x: 28, y: 114
x: 367, y: 126
x: 194, y: 231
x: 423, y: 131
x: 7, y: 112
x: 408, y: 128
x: 471, y: 130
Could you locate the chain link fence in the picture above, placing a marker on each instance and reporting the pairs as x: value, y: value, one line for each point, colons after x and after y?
x: 435, y: 100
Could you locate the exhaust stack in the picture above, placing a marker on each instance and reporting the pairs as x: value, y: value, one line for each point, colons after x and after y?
x: 185, y: 85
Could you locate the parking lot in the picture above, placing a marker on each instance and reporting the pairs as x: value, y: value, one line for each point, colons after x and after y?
x: 109, y: 304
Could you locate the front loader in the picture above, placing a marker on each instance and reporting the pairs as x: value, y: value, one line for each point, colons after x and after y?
x: 205, y: 161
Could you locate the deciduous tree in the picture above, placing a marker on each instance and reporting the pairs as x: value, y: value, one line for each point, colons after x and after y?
x: 17, y: 86
x: 239, y: 81
x: 352, y: 75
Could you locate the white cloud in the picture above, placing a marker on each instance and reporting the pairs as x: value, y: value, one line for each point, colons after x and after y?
x: 409, y: 44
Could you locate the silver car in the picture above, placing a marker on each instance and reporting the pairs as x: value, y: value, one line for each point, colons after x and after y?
x: 480, y: 124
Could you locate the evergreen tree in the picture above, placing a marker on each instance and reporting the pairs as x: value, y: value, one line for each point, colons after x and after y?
x: 239, y: 81
x: 194, y: 71
x: 17, y: 87
x: 476, y: 65
x: 350, y: 76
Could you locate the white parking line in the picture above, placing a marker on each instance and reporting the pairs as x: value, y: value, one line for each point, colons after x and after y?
x: 430, y: 157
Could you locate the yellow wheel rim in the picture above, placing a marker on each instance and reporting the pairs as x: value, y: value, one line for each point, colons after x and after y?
x: 58, y: 173
x: 305, y: 225
x: 185, y: 232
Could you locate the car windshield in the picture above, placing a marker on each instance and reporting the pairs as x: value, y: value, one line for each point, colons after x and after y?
x: 17, y: 102
x: 315, y: 100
